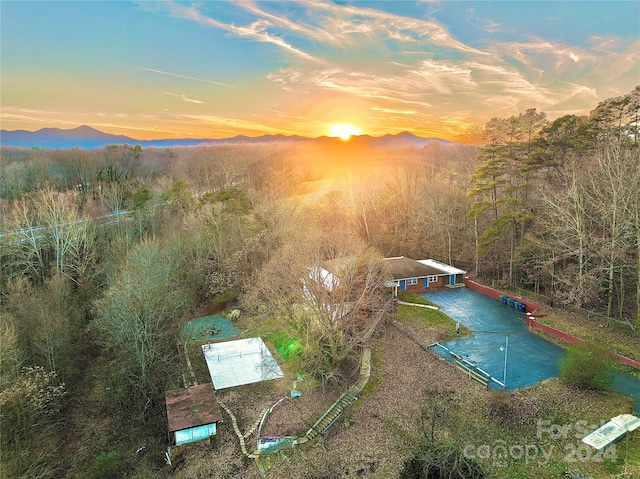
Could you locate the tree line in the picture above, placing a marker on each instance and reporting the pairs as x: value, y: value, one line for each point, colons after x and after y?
x: 557, y: 205
x: 91, y: 309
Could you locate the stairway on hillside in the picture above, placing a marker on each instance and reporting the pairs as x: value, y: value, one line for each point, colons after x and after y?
x: 348, y: 398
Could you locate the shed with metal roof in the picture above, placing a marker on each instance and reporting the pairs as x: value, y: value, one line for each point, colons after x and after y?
x: 192, y: 413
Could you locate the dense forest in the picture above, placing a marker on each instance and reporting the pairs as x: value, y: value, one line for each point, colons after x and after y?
x: 105, y: 251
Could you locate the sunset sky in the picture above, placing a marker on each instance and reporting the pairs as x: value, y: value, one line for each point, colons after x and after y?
x: 214, y: 69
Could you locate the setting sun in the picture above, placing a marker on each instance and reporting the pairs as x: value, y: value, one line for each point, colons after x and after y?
x: 343, y: 131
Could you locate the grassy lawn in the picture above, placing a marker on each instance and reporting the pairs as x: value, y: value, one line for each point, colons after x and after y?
x: 541, y: 429
x: 536, y: 432
x: 414, y: 298
x: 426, y: 318
x: 613, y: 339
x: 617, y: 337
x: 375, y: 378
x: 550, y: 440
x: 198, y: 363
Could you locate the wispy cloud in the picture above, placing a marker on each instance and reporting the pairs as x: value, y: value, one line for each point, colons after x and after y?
x: 397, y: 75
x: 28, y: 115
x: 342, y: 21
x: 359, y: 84
x: 306, y: 63
x: 72, y: 119
x: 537, y: 52
x: 257, y: 30
x: 282, y: 21
x: 428, y: 84
x: 506, y: 87
x: 492, y: 27
x: 187, y: 77
x: 394, y: 111
x: 327, y: 23
x: 183, y: 97
x: 442, y: 76
x: 234, y: 124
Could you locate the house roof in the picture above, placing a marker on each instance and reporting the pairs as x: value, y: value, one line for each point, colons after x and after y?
x: 404, y: 268
x: 338, y: 266
x: 324, y: 277
x: 446, y: 268
x: 192, y: 407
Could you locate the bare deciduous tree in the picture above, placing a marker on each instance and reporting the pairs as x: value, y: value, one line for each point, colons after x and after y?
x: 135, y: 325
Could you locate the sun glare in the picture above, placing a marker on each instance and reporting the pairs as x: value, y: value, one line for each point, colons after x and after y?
x: 343, y: 131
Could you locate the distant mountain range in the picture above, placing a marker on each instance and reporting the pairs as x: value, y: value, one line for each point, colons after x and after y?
x: 89, y: 138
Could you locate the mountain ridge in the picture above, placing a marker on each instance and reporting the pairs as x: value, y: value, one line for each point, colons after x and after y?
x: 85, y: 136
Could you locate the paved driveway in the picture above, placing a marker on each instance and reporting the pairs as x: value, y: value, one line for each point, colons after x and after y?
x: 501, y: 344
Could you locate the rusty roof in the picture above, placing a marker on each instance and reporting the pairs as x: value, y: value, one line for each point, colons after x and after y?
x: 404, y: 268
x: 192, y: 407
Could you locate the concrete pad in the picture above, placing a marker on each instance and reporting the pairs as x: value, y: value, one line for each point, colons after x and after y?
x: 239, y: 362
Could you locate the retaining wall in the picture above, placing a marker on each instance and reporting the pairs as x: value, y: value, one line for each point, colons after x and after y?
x: 551, y: 331
x: 531, y: 307
x: 566, y: 337
x: 626, y: 361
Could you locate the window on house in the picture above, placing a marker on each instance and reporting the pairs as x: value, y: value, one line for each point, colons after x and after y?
x: 412, y: 281
x: 433, y: 279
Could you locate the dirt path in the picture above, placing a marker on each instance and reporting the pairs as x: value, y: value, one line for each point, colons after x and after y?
x: 381, y: 430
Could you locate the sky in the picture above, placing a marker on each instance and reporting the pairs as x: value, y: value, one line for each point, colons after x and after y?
x: 216, y: 69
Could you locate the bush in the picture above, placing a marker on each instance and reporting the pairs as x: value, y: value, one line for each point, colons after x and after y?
x: 511, y: 409
x: 323, y: 352
x: 500, y: 407
x: 441, y: 461
x: 105, y: 466
x: 586, y: 367
x: 228, y: 296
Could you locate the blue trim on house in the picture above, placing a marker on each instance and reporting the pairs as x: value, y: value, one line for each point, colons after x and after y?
x: 426, y: 282
x: 403, y: 284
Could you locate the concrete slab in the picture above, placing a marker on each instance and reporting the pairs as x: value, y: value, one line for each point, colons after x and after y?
x: 239, y: 362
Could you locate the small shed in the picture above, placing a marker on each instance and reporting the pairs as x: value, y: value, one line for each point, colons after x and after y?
x: 192, y: 413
